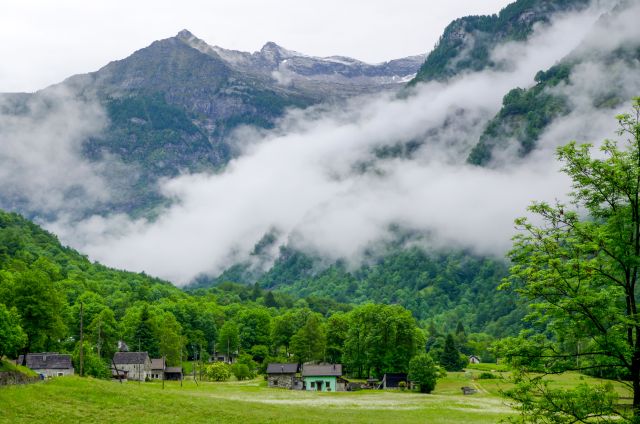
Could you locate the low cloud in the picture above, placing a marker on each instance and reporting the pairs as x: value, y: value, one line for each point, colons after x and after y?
x: 317, y: 180
x: 41, y: 165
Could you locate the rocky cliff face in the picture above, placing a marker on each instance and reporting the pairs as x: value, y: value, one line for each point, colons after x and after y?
x: 467, y: 42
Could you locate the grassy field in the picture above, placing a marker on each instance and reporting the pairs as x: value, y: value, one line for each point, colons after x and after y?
x: 72, y: 399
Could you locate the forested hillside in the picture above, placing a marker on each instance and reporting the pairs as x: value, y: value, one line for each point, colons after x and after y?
x: 467, y: 43
x: 46, y: 288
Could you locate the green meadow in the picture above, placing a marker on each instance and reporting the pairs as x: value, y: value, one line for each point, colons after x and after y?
x: 87, y: 400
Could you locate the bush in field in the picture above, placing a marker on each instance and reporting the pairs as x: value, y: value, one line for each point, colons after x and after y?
x: 423, y: 372
x: 218, y: 371
x: 241, y: 371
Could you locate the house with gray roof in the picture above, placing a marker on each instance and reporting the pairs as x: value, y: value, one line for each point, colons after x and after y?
x: 136, y: 364
x: 283, y: 376
x: 49, y: 364
x: 323, y: 377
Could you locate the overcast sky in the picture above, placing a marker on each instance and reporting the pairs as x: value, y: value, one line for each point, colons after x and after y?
x: 42, y: 41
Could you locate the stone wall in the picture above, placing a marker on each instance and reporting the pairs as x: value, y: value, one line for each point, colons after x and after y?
x: 11, y: 377
x: 284, y: 381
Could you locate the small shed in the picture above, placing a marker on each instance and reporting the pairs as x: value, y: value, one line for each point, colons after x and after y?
x: 173, y: 373
x: 49, y: 364
x: 137, y: 364
x: 323, y: 378
x: 392, y: 380
x: 473, y: 359
x: 282, y: 375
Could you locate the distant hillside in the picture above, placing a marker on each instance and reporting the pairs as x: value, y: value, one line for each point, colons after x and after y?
x: 443, y: 287
x: 601, y: 77
x: 467, y: 42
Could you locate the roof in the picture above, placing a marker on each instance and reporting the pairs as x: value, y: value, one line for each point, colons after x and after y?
x: 130, y: 357
x: 277, y: 368
x: 157, y: 364
x: 173, y: 370
x: 39, y: 361
x: 322, y: 370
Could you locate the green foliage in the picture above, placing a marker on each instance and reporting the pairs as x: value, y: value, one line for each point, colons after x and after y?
x: 579, y: 270
x: 93, y: 365
x: 380, y: 339
x: 310, y: 341
x: 229, y: 338
x: 451, y: 359
x: 103, y: 331
x: 218, y: 371
x: 467, y: 42
x: 241, y: 371
x: 12, y: 338
x: 423, y: 372
x: 524, y: 115
x: 487, y: 376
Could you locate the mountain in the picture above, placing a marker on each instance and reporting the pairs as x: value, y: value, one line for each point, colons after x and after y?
x: 171, y: 106
x: 596, y: 75
x: 466, y: 44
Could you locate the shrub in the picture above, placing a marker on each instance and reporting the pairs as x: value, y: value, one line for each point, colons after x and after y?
x: 424, y: 372
x: 218, y: 371
x: 487, y: 376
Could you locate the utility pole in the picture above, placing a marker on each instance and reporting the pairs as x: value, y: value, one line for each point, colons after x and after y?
x: 81, y: 340
x: 164, y: 365
x: 181, y: 367
x: 139, y: 356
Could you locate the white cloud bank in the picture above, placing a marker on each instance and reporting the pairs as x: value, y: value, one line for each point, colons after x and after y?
x: 305, y: 177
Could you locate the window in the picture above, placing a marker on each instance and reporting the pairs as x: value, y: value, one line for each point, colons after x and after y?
x: 60, y: 374
x: 313, y: 384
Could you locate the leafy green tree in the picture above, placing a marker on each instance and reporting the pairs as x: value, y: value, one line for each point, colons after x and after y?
x: 93, y: 365
x: 309, y: 343
x: 41, y: 307
x: 337, y: 330
x: 286, y: 325
x: 451, y: 360
x: 218, y: 371
x: 255, y: 327
x: 579, y: 268
x: 423, y: 372
x: 169, y: 336
x: 104, y: 333
x: 12, y: 338
x: 229, y: 338
x: 144, y: 337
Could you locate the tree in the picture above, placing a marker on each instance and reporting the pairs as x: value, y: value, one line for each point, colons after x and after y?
x: 41, y: 307
x: 144, y: 335
x: 255, y: 327
x: 103, y: 332
x: 423, y: 372
x: 451, y: 359
x: 169, y: 335
x: 93, y: 365
x: 12, y: 338
x: 229, y: 339
x: 309, y: 343
x: 579, y: 268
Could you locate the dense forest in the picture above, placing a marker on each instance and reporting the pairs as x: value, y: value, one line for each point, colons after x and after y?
x: 47, y: 289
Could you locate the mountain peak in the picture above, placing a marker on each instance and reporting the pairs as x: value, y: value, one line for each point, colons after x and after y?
x: 185, y: 34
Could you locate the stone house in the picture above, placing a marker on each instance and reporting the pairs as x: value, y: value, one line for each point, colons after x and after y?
x: 282, y: 375
x: 157, y: 369
x: 323, y: 378
x: 49, y: 364
x: 136, y: 364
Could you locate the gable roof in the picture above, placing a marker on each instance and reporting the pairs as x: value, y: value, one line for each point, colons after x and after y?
x: 157, y: 364
x: 322, y: 370
x: 173, y: 370
x: 277, y: 368
x: 130, y: 357
x: 39, y: 361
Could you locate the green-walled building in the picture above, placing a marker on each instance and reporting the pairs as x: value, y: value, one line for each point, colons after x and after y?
x: 323, y: 378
